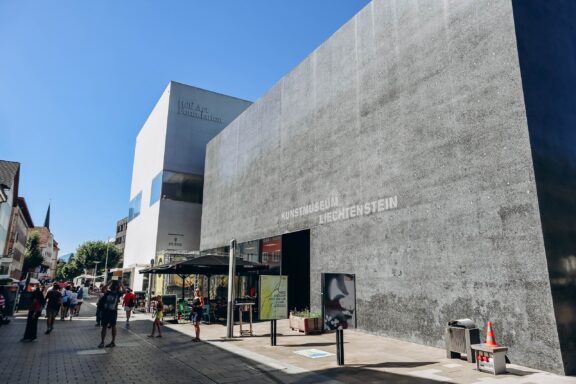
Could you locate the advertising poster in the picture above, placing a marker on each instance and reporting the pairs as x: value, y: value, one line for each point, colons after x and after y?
x: 339, y: 300
x: 169, y: 302
x: 273, y: 297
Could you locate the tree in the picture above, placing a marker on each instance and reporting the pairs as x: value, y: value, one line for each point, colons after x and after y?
x: 33, y: 257
x: 60, y: 266
x: 95, y: 251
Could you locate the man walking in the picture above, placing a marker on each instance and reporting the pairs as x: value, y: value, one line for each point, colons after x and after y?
x: 110, y: 312
x: 54, y: 300
x: 129, y: 302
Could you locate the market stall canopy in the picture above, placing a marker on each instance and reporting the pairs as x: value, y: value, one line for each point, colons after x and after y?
x: 205, y: 265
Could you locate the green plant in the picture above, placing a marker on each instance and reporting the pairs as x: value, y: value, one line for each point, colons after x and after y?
x: 306, y: 313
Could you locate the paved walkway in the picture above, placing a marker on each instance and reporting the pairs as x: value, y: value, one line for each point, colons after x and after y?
x: 69, y: 355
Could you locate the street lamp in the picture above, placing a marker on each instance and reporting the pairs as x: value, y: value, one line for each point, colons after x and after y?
x: 95, y: 273
x: 106, y: 262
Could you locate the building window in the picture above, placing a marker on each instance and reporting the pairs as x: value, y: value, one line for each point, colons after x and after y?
x: 156, y: 188
x: 182, y: 187
x: 134, y: 209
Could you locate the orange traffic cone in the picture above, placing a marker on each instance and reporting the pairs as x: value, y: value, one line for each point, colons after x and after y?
x: 490, y: 340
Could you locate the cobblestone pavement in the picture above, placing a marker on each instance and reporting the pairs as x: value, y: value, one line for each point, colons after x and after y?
x: 70, y: 355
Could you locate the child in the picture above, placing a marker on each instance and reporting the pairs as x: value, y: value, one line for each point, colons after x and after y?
x: 158, y: 315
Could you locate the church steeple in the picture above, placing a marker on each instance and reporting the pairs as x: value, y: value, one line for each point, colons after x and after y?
x: 47, y: 220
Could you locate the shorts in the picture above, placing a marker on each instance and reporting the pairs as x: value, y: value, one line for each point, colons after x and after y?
x: 52, y: 311
x: 108, y: 317
x: 196, y: 315
x: 128, y: 309
x: 66, y: 304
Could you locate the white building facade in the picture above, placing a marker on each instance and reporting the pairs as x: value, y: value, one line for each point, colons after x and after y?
x: 168, y: 174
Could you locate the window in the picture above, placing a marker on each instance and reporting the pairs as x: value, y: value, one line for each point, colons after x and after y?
x: 134, y: 208
x: 156, y: 188
x: 182, y: 187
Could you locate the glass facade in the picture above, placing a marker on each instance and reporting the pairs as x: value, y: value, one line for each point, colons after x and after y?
x: 134, y: 208
x: 182, y: 187
x: 156, y: 189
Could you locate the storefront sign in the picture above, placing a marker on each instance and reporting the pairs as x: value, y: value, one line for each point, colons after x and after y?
x: 365, y: 209
x: 336, y: 213
x: 197, y: 111
x: 273, y: 297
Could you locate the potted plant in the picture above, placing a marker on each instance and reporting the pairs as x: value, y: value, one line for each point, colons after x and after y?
x: 306, y: 321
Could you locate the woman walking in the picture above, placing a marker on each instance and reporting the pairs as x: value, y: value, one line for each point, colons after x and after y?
x: 33, y: 315
x: 197, y: 312
x: 158, y: 315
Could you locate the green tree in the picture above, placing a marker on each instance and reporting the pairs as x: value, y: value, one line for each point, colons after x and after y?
x: 33, y: 257
x: 60, y: 270
x: 95, y: 251
x: 71, y: 269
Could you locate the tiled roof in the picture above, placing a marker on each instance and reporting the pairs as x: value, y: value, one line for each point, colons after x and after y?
x: 8, y: 171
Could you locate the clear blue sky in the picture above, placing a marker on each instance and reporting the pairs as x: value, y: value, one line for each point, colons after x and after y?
x: 79, y: 78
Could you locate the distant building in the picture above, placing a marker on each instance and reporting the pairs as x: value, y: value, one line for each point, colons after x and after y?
x: 168, y: 174
x: 49, y: 248
x: 121, y: 227
x: 20, y: 225
x: 9, y: 181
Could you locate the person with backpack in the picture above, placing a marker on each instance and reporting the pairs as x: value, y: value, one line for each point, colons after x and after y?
x: 65, y: 302
x: 80, y: 299
x: 100, y: 306
x: 129, y: 303
x: 54, y: 301
x: 110, y: 302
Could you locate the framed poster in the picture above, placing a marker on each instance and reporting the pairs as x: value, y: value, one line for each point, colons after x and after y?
x: 169, y: 302
x: 273, y: 295
x: 339, y: 300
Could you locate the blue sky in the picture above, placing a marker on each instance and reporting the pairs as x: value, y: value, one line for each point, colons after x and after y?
x: 78, y: 79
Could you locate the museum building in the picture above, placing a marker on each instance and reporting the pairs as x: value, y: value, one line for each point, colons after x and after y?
x: 167, y: 178
x: 427, y: 148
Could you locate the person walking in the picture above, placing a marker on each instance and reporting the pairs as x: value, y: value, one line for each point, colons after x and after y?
x: 33, y: 315
x: 54, y: 301
x: 100, y: 305
x: 197, y: 312
x: 65, y: 303
x: 73, y: 302
x: 110, y: 312
x: 80, y: 299
x: 158, y: 315
x: 129, y: 303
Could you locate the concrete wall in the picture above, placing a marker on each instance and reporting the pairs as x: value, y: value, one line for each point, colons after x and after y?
x: 195, y: 116
x: 419, y: 105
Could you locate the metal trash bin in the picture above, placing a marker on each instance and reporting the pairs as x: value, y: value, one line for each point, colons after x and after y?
x: 459, y: 336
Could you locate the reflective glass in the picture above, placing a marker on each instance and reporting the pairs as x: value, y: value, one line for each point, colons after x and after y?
x: 156, y: 189
x: 134, y: 208
x: 182, y: 187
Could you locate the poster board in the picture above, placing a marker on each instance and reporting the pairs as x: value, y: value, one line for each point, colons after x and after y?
x: 273, y: 297
x: 338, y: 300
x: 169, y: 302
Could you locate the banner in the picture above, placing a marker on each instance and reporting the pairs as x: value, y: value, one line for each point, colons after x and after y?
x: 339, y: 300
x: 273, y: 297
